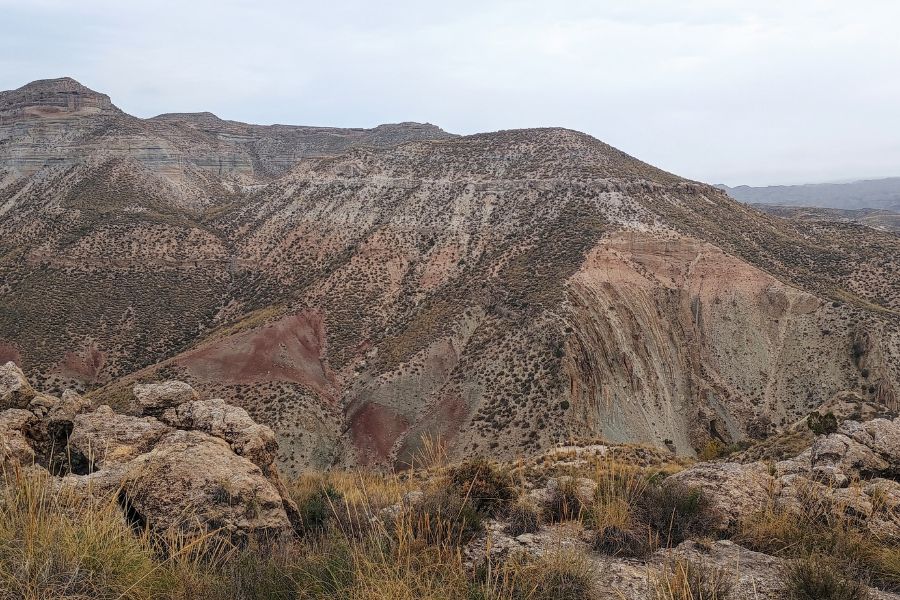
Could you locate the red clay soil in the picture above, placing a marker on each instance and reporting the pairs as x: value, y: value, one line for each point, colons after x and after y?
x: 8, y: 352
x: 85, y: 364
x: 374, y: 429
x: 289, y: 349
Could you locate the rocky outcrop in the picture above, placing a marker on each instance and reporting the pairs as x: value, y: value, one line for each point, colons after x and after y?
x: 106, y: 438
x: 153, y: 398
x: 734, y: 490
x: 14, y: 445
x: 851, y: 472
x: 206, y: 466
x: 193, y: 481
x: 15, y: 391
x: 233, y: 424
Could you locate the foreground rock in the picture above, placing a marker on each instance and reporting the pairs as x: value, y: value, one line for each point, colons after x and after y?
x: 851, y: 472
x: 153, y: 398
x: 15, y: 391
x: 751, y: 575
x: 203, y: 465
x: 191, y: 480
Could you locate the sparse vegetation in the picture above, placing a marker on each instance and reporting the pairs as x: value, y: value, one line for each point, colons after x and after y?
x: 816, y: 578
x: 690, y: 580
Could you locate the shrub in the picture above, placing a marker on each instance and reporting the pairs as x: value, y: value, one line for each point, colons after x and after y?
x: 689, y: 580
x: 822, y: 424
x: 317, y: 507
x: 676, y: 512
x: 442, y: 518
x: 616, y: 541
x: 564, y: 575
x: 815, y: 578
x: 483, y: 485
x: 712, y: 450
x: 564, y: 502
x: 524, y: 517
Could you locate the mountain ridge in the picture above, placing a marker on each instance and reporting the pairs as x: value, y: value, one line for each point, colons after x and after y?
x: 883, y: 193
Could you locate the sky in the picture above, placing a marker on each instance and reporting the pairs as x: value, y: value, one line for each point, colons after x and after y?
x: 755, y: 92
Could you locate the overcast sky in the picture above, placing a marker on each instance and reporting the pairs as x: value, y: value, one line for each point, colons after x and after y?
x: 752, y: 91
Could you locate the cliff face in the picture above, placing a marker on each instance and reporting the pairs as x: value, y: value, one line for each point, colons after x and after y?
x: 59, y: 122
x: 359, y: 290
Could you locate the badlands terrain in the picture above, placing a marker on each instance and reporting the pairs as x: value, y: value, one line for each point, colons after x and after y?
x: 362, y: 290
x: 255, y: 362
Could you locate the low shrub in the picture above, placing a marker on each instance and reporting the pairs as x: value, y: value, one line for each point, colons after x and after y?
x: 487, y: 488
x: 563, y: 575
x: 822, y: 424
x: 627, y: 543
x: 441, y: 518
x: 690, y: 580
x: 524, y: 517
x: 317, y: 507
x: 676, y: 512
x: 816, y: 578
x: 564, y: 502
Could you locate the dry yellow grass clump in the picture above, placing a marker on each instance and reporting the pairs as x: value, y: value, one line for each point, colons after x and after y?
x: 56, y: 544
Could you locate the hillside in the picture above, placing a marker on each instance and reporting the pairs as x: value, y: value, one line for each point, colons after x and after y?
x: 362, y: 290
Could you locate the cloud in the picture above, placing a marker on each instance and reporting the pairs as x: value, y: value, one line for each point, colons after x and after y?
x: 725, y: 90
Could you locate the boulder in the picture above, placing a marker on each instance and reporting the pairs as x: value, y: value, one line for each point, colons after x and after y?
x: 881, y: 436
x: 154, y: 398
x: 15, y: 448
x: 42, y: 404
x: 884, y: 495
x: 191, y: 481
x: 104, y: 437
x: 233, y: 424
x: 846, y: 455
x: 15, y: 391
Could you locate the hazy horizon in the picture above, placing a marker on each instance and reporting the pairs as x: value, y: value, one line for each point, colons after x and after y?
x: 726, y: 92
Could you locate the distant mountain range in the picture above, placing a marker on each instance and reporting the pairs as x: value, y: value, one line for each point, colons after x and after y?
x: 883, y: 194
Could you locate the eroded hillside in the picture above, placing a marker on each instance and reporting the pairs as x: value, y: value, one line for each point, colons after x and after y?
x: 501, y: 291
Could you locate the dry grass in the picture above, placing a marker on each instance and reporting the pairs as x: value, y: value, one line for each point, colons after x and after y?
x: 826, y: 530
x: 689, y: 580
x: 57, y: 545
x: 53, y: 545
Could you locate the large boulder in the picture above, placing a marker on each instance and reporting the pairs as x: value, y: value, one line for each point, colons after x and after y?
x: 105, y: 437
x: 154, y: 398
x: 233, y: 424
x: 15, y: 391
x: 192, y: 481
x: 836, y: 456
x: 881, y: 436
